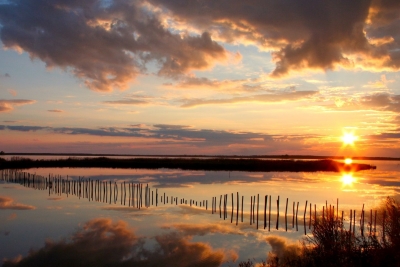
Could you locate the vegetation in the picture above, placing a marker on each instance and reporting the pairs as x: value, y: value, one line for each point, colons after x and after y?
x: 214, y: 164
x: 332, y: 245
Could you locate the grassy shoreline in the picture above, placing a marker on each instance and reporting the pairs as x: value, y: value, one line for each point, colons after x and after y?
x: 208, y: 164
x: 199, y: 156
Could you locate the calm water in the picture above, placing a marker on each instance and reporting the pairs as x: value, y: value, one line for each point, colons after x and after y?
x: 72, y: 228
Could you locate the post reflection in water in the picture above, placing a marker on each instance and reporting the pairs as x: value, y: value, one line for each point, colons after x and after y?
x: 123, y: 195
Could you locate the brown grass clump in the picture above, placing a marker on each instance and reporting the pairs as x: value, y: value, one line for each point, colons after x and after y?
x: 330, y: 244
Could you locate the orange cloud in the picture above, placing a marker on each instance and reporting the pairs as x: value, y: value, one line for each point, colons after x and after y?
x: 7, y: 203
x: 8, y: 105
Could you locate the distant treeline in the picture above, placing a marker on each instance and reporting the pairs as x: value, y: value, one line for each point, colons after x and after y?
x: 285, y: 156
x: 211, y: 164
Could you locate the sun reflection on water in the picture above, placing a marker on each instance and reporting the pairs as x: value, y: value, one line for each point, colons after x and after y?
x: 347, y: 179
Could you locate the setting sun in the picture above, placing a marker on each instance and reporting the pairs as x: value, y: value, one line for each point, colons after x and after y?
x: 349, y: 138
x: 348, y: 161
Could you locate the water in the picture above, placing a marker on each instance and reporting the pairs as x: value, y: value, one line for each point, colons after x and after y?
x: 69, y: 226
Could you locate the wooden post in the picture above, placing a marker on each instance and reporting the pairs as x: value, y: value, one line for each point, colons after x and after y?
x: 309, y: 223
x: 265, y: 211
x: 305, y: 210
x: 242, y: 206
x: 287, y: 201
x: 362, y: 221
x: 269, y: 214
x: 254, y: 207
x: 297, y: 211
x: 370, y: 224
x: 351, y: 220
x: 237, y: 208
x: 258, y: 200
x: 232, y: 209
x: 294, y: 204
x: 251, y: 207
x: 220, y: 200
x: 277, y: 213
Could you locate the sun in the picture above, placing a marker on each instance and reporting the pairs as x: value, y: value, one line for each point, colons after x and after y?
x: 349, y: 138
x: 348, y: 161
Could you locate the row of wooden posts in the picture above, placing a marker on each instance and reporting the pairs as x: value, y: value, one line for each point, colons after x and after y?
x: 109, y: 192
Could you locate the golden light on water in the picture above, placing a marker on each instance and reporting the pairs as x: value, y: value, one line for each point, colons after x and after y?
x: 348, y: 161
x: 347, y: 179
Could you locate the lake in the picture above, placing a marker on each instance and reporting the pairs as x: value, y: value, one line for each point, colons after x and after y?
x: 90, y: 231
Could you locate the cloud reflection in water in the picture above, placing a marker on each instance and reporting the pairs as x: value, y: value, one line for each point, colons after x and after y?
x: 102, y: 242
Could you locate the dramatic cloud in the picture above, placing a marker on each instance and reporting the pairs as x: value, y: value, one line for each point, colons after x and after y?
x: 8, y: 105
x: 7, y: 203
x: 267, y: 98
x: 104, y: 243
x: 302, y: 34
x: 106, y: 44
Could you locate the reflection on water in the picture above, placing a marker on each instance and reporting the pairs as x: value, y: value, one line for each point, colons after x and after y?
x: 29, y: 217
x: 348, y: 179
x: 101, y: 242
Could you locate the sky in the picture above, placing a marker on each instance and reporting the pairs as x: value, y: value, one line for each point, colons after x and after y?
x: 205, y: 77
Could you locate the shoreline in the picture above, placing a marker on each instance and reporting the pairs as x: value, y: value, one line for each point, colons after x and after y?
x: 199, y: 156
x: 189, y: 163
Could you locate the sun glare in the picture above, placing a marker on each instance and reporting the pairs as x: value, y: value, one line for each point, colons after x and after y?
x: 348, y: 161
x: 347, y: 179
x: 349, y: 138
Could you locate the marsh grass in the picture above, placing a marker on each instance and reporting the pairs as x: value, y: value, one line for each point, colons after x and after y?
x: 330, y: 244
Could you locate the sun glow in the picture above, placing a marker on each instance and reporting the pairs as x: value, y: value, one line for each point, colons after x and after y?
x: 349, y: 138
x: 347, y: 179
x: 348, y: 161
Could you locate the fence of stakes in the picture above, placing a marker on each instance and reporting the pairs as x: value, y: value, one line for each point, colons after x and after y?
x: 138, y: 195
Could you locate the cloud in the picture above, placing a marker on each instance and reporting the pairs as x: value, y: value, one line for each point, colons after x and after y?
x: 301, y: 34
x: 266, y: 98
x: 283, y: 249
x: 204, y: 229
x: 8, y: 105
x: 105, y: 44
x: 12, y: 92
x: 127, y: 102
x: 240, y: 85
x: 7, y: 203
x: 162, y: 137
x: 383, y: 101
x: 103, y: 243
x: 55, y: 110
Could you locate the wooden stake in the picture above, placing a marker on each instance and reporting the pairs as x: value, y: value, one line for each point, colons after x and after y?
x: 287, y: 202
x: 305, y: 210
